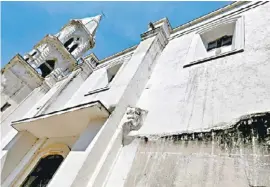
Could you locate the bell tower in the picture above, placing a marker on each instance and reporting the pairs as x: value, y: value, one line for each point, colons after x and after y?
x: 52, y: 58
x: 78, y: 36
x: 58, y: 54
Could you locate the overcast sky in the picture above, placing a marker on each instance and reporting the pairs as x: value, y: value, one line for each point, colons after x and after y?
x: 23, y: 24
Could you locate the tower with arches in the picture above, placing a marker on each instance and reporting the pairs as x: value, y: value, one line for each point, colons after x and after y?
x: 51, y: 59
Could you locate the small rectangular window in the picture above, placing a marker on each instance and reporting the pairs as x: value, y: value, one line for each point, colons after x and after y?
x: 112, y: 71
x: 212, y: 45
x: 34, y: 53
x: 223, y: 41
x: 216, y: 40
x: 106, y: 81
x: 5, y: 106
x: 227, y: 40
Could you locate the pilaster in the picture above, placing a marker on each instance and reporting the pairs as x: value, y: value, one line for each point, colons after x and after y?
x: 104, y: 148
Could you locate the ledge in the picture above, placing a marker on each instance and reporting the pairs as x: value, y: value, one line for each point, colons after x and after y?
x: 20, y: 59
x: 213, y: 57
x: 67, y: 122
x: 98, y: 90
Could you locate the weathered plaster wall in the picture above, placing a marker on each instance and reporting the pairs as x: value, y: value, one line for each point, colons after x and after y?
x: 122, y: 164
x: 98, y: 79
x: 100, y: 145
x: 237, y: 156
x: 14, y: 100
x: 65, y: 94
x: 214, y: 92
x: 14, y: 152
x: 177, y: 99
x: 184, y: 163
x: 52, y: 95
x: 70, y: 167
x: 18, y: 113
x: 205, y: 95
x: 106, y: 144
x: 17, y: 82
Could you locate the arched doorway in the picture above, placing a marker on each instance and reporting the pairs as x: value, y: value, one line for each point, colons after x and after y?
x: 43, y: 171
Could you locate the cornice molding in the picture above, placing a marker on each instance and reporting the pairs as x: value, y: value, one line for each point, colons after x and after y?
x: 118, y: 54
x: 18, y: 58
x: 209, y: 15
x: 194, y: 25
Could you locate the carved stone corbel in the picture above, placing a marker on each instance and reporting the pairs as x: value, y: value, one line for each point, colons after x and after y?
x: 133, y: 121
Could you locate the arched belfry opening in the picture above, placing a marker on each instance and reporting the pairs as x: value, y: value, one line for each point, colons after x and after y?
x: 43, y: 171
x: 47, y: 67
x: 67, y: 43
x: 72, y: 43
x: 73, y: 48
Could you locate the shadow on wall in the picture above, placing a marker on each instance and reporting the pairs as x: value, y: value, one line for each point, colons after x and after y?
x: 87, y: 136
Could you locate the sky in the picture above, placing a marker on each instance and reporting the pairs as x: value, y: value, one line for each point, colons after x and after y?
x: 23, y: 24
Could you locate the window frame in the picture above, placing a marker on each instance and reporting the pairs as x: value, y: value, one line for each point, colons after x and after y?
x: 75, y: 40
x: 238, y: 40
x: 219, y: 41
x: 40, y: 163
x: 110, y: 81
x: 52, y: 149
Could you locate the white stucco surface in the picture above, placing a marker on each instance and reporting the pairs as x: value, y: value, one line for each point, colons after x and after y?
x: 161, y: 76
x: 202, y: 96
x: 214, y: 92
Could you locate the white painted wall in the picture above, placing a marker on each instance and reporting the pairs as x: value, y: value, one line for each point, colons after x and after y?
x: 204, y: 95
x: 177, y: 99
x: 211, y: 93
x: 13, y: 153
x: 6, y: 129
x: 70, y: 167
x: 98, y: 79
x: 65, y: 94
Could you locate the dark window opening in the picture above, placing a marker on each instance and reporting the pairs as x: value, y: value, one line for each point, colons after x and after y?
x: 223, y: 41
x: 73, y: 48
x: 34, y: 53
x: 68, y: 42
x: 43, y: 171
x: 47, y: 67
x: 5, y: 106
x: 112, y: 71
x: 95, y: 63
x: 111, y: 78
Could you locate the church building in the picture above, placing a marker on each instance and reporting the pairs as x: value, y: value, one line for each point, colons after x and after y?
x: 186, y: 106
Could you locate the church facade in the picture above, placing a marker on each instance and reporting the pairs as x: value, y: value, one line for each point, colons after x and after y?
x: 187, y: 106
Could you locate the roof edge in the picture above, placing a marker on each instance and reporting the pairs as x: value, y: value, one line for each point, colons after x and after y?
x: 20, y: 59
x: 62, y: 110
x: 115, y: 55
x: 208, y: 16
x: 180, y: 27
